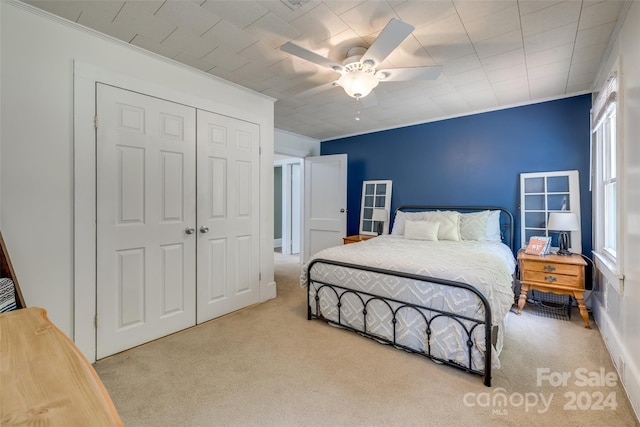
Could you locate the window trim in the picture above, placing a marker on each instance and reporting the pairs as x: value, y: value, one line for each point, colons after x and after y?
x: 610, y: 263
x: 610, y: 271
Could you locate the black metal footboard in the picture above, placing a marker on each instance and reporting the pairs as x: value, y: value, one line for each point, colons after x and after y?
x: 428, y: 314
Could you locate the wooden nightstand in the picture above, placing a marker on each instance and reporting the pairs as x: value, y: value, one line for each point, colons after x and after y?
x: 560, y: 274
x: 357, y: 238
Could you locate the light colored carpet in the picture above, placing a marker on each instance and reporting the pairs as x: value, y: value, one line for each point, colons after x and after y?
x: 269, y: 366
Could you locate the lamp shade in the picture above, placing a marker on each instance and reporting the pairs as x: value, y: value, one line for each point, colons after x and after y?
x: 563, y: 221
x: 358, y: 84
x: 379, y: 215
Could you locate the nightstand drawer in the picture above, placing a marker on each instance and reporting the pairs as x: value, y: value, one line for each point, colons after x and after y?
x: 554, y: 268
x: 552, y: 279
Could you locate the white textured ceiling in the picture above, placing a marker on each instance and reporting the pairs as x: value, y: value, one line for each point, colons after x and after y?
x: 495, y: 53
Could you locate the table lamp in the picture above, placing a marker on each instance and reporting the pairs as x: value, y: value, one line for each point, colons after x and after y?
x: 563, y: 222
x: 379, y: 217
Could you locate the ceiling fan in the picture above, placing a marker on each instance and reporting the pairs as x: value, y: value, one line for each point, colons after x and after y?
x: 359, y: 73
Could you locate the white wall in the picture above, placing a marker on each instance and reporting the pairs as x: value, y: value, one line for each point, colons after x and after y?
x: 295, y: 145
x: 0, y: 115
x: 37, y: 143
x: 618, y: 313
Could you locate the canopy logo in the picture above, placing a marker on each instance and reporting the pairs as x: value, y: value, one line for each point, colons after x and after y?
x: 596, y: 400
x: 499, y: 400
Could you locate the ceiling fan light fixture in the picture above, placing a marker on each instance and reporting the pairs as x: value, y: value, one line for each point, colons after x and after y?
x: 358, y: 71
x: 381, y: 75
x: 358, y: 84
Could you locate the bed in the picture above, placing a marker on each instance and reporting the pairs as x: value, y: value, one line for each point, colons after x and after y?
x: 440, y: 285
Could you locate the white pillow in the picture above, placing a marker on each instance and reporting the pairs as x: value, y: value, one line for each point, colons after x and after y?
x: 449, y: 227
x: 493, y: 227
x: 398, y: 224
x: 449, y: 224
x: 402, y: 217
x: 473, y: 225
x: 421, y: 230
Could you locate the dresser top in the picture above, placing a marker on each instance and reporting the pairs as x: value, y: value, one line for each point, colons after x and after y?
x: 556, y: 259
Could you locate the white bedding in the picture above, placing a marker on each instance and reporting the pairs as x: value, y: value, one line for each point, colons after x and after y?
x: 488, y: 266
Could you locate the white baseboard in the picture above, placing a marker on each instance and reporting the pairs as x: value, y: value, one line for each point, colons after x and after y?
x: 628, y: 370
x: 268, y: 292
x: 277, y: 243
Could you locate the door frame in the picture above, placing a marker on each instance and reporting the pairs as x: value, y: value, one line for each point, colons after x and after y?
x: 85, y: 77
x: 287, y: 202
x: 277, y: 241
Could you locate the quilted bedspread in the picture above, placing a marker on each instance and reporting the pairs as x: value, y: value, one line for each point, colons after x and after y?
x: 487, y: 266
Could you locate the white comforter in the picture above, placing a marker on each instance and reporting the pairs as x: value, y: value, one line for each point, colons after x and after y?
x: 488, y: 266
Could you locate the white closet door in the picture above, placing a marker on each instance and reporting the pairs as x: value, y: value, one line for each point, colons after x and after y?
x: 145, y: 207
x: 228, y: 214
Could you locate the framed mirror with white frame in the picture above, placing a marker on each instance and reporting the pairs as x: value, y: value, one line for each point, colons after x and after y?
x: 375, y: 207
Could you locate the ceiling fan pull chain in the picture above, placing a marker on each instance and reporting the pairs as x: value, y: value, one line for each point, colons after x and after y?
x: 357, y: 108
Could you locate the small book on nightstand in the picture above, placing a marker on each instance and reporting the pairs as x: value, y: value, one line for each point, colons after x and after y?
x: 538, y: 245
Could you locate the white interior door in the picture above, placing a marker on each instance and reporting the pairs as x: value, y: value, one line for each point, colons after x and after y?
x: 325, y: 202
x: 145, y: 205
x: 228, y: 214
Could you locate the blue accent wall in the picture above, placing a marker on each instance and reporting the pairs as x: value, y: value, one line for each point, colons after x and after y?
x: 473, y: 160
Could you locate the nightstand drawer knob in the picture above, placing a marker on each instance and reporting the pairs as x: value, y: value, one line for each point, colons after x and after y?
x: 549, y: 268
x: 550, y: 278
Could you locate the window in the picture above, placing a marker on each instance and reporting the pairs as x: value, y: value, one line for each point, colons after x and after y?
x: 604, y: 140
x: 609, y: 179
x: 606, y: 154
x: 376, y: 202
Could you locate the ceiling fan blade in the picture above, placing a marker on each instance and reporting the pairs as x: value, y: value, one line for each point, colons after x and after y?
x: 410, y: 73
x: 307, y: 55
x: 389, y: 39
x: 317, y: 89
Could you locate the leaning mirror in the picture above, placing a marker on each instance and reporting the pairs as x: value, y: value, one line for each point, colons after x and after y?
x: 375, y: 207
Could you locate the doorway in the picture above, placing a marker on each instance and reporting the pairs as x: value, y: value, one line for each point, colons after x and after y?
x: 288, y: 197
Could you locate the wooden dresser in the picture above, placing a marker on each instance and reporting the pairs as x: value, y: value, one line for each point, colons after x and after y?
x: 44, y: 379
x: 560, y: 274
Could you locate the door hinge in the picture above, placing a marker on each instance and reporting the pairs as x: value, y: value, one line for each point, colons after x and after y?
x: 96, y: 321
x: 95, y: 121
x: 260, y: 276
x: 260, y: 151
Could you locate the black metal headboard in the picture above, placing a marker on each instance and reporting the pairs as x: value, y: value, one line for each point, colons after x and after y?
x: 506, y: 217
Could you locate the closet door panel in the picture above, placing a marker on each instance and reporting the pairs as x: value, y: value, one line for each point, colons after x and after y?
x: 228, y: 214
x: 146, y: 260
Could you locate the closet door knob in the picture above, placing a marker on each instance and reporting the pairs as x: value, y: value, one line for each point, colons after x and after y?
x: 204, y: 229
x: 189, y: 230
